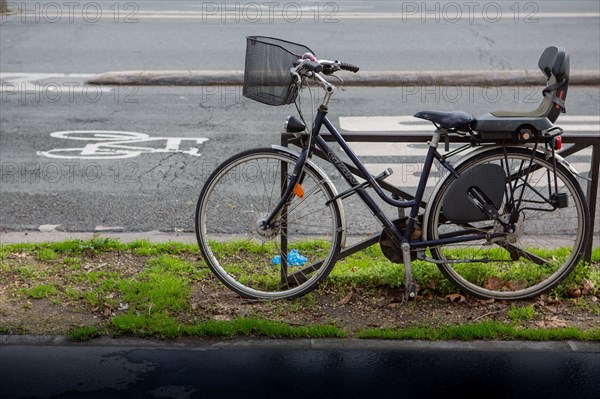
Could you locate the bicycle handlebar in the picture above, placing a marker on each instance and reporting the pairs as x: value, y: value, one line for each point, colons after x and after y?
x: 313, y: 66
x: 349, y: 67
x: 329, y: 67
x: 308, y: 63
x: 305, y: 65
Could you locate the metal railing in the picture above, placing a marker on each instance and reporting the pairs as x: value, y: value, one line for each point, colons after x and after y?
x: 576, y: 142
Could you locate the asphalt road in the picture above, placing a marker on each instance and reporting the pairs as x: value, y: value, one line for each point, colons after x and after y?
x: 300, y: 369
x: 62, y: 180
x: 101, y: 36
x: 156, y: 190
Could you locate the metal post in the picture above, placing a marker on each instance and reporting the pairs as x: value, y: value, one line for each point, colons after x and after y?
x: 283, y: 226
x: 592, y: 194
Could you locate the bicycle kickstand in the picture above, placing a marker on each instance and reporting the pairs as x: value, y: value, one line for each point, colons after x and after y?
x: 411, y: 286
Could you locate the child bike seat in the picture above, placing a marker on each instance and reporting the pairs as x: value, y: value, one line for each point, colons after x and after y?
x: 554, y: 63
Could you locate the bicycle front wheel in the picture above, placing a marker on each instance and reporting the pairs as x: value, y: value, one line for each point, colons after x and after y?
x: 547, y: 242
x: 290, y: 258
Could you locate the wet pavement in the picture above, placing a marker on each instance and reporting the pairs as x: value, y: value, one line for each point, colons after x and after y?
x: 105, y: 368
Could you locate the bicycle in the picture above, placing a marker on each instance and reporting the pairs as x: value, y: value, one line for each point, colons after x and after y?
x: 507, y: 221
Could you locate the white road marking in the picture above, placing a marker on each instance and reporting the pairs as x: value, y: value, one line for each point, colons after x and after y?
x: 117, y: 144
x: 255, y: 12
x: 19, y: 82
x: 11, y: 75
x: 393, y: 149
x: 408, y: 123
x: 297, y: 13
x: 408, y: 174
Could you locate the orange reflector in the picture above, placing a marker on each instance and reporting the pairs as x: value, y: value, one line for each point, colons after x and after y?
x: 298, y: 190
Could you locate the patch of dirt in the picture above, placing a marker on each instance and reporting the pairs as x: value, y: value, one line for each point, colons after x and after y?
x: 385, y: 308
x: 350, y: 308
x: 41, y: 316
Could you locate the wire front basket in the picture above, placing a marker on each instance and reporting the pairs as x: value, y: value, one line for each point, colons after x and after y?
x: 267, y: 77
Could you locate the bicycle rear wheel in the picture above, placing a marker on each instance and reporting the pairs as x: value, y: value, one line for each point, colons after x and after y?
x: 285, y: 261
x: 548, y: 241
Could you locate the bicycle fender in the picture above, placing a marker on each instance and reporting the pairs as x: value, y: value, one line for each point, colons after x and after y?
x: 570, y: 167
x: 477, y: 152
x: 326, y: 180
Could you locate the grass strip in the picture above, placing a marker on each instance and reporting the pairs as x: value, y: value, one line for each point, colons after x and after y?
x: 482, y: 331
x: 99, y: 245
x: 82, y: 334
x: 162, y: 326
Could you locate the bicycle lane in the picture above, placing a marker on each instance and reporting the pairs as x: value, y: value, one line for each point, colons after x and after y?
x: 157, y: 188
x: 117, y: 368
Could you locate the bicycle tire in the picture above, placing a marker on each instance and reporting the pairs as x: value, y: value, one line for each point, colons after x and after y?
x: 243, y: 258
x: 540, y: 264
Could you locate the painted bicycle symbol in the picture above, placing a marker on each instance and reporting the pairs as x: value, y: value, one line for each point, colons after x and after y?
x: 108, y: 144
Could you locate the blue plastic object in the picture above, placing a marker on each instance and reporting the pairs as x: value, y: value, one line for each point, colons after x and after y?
x: 294, y: 258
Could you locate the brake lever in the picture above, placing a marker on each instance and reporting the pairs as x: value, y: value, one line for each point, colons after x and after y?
x: 337, y: 77
x: 330, y: 67
x: 295, y: 75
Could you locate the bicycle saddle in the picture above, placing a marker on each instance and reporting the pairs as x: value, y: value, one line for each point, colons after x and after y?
x: 448, y: 120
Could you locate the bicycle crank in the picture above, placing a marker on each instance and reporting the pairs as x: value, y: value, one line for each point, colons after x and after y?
x: 393, y: 251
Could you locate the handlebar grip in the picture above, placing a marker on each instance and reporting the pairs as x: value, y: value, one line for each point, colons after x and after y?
x: 349, y: 67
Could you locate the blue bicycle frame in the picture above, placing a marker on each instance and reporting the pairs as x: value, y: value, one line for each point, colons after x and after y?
x: 399, y: 237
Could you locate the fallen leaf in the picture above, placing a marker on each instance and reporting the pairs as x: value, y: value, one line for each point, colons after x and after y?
x: 107, y: 311
x: 456, y: 298
x: 17, y: 255
x: 587, y: 286
x: 574, y: 293
x: 487, y: 301
x: 492, y: 283
x: 345, y: 299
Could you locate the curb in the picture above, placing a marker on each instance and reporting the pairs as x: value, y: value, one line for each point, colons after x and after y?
x: 37, y: 236
x: 306, y: 344
x: 34, y: 236
x: 484, y: 78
